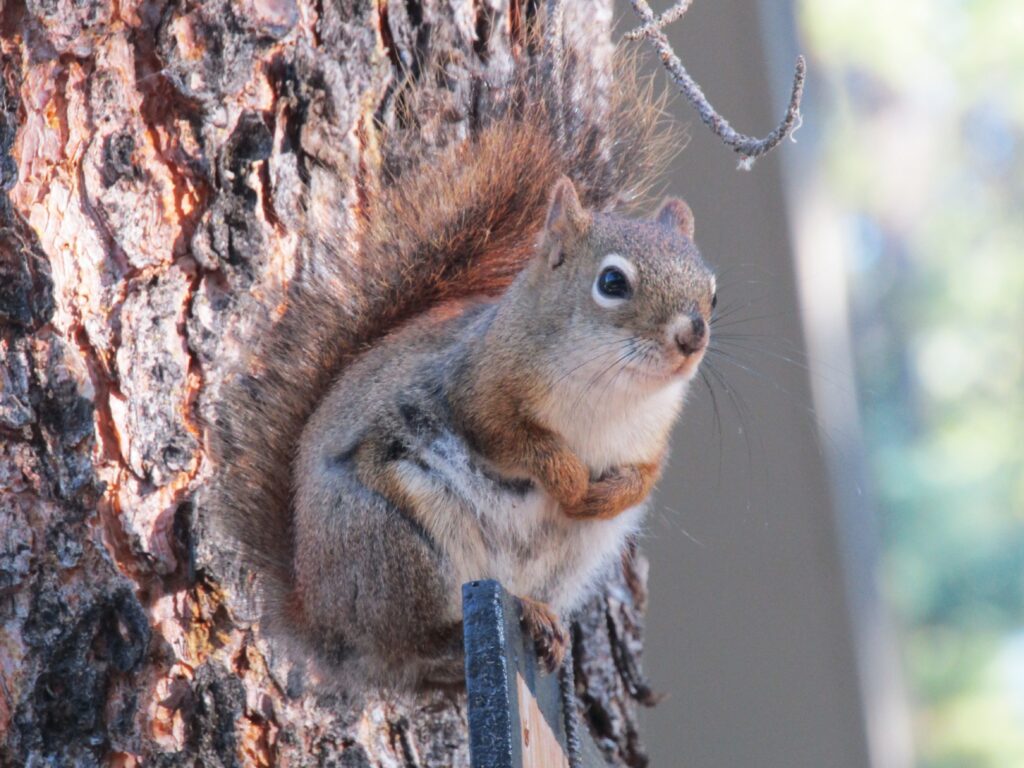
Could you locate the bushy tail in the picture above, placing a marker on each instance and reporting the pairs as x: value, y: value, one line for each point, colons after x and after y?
x: 460, y: 224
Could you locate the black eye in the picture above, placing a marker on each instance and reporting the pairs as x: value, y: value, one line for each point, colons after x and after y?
x: 714, y: 300
x: 613, y: 283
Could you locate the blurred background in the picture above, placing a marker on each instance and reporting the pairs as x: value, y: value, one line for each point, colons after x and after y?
x: 838, y: 549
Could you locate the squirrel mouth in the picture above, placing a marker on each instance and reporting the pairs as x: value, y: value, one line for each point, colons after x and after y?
x: 685, y: 368
x: 689, y: 364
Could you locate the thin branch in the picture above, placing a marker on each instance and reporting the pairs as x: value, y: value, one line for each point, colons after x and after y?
x: 674, y: 13
x: 748, y: 147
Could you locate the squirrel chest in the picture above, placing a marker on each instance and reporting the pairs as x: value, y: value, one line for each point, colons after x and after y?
x: 510, y: 529
x: 386, y: 431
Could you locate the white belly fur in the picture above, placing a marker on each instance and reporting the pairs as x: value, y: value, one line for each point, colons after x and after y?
x: 565, y: 556
x: 522, y: 540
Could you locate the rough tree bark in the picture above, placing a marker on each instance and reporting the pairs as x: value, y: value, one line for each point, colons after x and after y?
x: 154, y: 158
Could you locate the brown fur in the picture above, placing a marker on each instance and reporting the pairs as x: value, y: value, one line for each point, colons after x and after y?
x: 549, y: 636
x: 495, y: 417
x: 460, y: 225
x: 617, y: 491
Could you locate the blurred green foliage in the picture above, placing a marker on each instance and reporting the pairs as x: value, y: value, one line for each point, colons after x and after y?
x: 921, y: 142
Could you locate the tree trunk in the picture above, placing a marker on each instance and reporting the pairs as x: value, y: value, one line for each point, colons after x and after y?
x: 156, y: 159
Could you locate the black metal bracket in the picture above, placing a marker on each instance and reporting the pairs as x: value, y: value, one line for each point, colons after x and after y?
x: 517, y: 711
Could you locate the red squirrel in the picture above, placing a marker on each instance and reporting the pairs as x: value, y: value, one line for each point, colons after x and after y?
x: 483, y: 388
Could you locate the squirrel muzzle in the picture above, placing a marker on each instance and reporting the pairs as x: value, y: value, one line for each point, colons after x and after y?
x: 689, y: 335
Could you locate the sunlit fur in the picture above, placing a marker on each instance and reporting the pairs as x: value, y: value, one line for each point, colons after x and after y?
x: 359, y: 465
x: 420, y: 445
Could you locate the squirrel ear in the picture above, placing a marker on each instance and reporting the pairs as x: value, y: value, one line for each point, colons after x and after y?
x: 566, y: 218
x: 676, y: 214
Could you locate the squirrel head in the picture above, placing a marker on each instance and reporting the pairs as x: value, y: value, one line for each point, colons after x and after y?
x: 635, y: 293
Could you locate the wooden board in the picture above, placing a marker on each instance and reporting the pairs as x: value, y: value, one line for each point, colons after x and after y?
x: 539, y: 744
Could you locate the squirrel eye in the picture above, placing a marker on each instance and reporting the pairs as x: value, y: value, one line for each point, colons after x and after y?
x: 613, y: 283
x: 714, y: 299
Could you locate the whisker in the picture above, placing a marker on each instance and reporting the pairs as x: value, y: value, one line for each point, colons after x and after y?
x: 726, y: 307
x: 716, y: 321
x: 824, y: 433
x: 608, y: 343
x: 675, y: 524
x: 631, y: 355
x: 595, y: 379
x: 742, y: 410
x: 733, y: 360
x: 761, y: 350
x: 717, y: 419
x: 837, y: 378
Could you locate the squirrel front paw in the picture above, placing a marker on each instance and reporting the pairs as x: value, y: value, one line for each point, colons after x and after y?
x: 618, y: 490
x: 566, y: 478
x: 549, y: 637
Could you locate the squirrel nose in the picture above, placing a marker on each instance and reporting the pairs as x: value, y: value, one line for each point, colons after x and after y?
x: 692, y: 337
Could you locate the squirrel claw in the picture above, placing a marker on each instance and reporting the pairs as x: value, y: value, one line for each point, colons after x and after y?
x: 549, y: 637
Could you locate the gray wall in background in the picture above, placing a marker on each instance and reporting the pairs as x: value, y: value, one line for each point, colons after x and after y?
x: 748, y: 631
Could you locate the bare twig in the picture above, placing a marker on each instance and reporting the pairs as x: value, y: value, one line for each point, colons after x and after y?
x: 748, y: 147
x: 674, y: 13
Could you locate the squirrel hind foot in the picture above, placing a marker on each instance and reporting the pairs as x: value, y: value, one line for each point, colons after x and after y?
x: 550, y: 638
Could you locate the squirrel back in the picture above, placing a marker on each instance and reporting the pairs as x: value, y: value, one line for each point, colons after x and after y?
x: 459, y: 224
